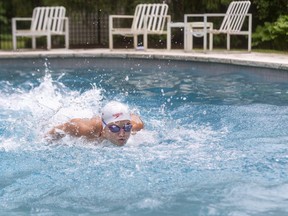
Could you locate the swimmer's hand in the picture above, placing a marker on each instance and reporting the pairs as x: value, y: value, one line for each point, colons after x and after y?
x: 137, y: 123
x: 55, y: 134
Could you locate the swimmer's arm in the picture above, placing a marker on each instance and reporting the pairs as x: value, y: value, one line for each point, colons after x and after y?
x: 137, y: 123
x: 89, y: 128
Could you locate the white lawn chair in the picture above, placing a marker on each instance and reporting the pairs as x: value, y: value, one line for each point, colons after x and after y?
x: 45, y: 21
x: 231, y: 25
x: 148, y: 19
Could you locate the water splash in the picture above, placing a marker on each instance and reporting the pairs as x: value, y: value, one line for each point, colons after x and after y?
x: 202, y: 158
x: 44, y: 106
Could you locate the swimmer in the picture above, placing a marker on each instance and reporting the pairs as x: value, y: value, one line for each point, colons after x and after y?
x: 115, y: 125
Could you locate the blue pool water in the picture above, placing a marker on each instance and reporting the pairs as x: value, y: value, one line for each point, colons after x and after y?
x: 215, y: 139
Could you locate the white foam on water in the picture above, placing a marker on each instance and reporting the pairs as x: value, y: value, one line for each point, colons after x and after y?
x: 52, y: 103
x: 146, y: 203
x: 38, y: 110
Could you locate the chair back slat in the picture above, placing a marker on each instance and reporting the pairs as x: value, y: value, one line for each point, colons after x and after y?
x: 48, y: 18
x: 57, y: 23
x: 163, y: 16
x: 153, y: 14
x: 152, y: 10
x: 235, y: 16
x: 136, y: 17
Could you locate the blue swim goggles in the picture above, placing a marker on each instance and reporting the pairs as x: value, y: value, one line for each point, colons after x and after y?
x: 115, y: 128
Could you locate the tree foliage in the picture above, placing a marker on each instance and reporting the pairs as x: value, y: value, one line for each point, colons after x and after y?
x: 3, y: 19
x: 269, y: 10
x: 272, y: 35
x: 271, y: 19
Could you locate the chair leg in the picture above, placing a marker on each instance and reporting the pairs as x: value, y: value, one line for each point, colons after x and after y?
x: 67, y: 34
x: 110, y: 33
x: 205, y: 42
x: 168, y: 37
x: 188, y: 38
x: 48, y: 42
x: 66, y: 41
x: 14, y: 41
x: 110, y: 41
x: 189, y: 42
x: 249, y: 42
x: 210, y: 41
x: 228, y: 41
x: 135, y: 40
x: 185, y: 38
x: 33, y: 42
x: 14, y: 37
x: 145, y: 41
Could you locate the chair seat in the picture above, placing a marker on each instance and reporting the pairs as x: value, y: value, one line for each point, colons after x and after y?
x: 29, y: 32
x: 126, y: 31
x: 215, y: 31
x: 39, y: 33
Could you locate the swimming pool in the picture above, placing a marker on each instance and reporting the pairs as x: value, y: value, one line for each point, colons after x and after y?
x: 215, y: 141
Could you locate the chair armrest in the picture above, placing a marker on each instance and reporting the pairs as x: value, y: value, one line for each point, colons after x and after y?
x: 22, y: 18
x: 16, y: 19
x: 121, y: 16
x: 205, y: 16
x: 112, y: 17
x: 186, y: 16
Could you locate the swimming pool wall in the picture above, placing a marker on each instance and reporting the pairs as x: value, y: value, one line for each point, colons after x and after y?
x: 137, y: 62
x: 254, y: 59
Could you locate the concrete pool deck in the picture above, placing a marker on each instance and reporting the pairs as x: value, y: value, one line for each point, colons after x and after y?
x: 267, y: 60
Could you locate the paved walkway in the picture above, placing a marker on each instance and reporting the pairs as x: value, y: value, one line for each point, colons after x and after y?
x: 270, y: 60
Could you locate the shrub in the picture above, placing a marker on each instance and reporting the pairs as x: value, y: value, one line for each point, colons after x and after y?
x: 272, y: 35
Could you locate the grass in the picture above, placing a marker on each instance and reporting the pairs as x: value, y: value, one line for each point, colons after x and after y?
x: 270, y: 51
x: 22, y: 42
x: 6, y: 42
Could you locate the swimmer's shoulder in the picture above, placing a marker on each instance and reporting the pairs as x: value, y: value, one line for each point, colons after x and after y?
x: 96, y: 124
x: 89, y: 127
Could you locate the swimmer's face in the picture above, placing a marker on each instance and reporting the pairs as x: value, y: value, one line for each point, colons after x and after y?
x: 118, y: 132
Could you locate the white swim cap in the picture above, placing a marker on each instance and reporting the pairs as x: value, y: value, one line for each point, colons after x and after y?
x: 115, y: 111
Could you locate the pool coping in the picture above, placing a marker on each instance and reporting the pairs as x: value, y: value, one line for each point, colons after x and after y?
x: 265, y: 60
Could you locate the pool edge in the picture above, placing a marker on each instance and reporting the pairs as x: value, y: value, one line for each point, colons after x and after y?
x: 275, y: 61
